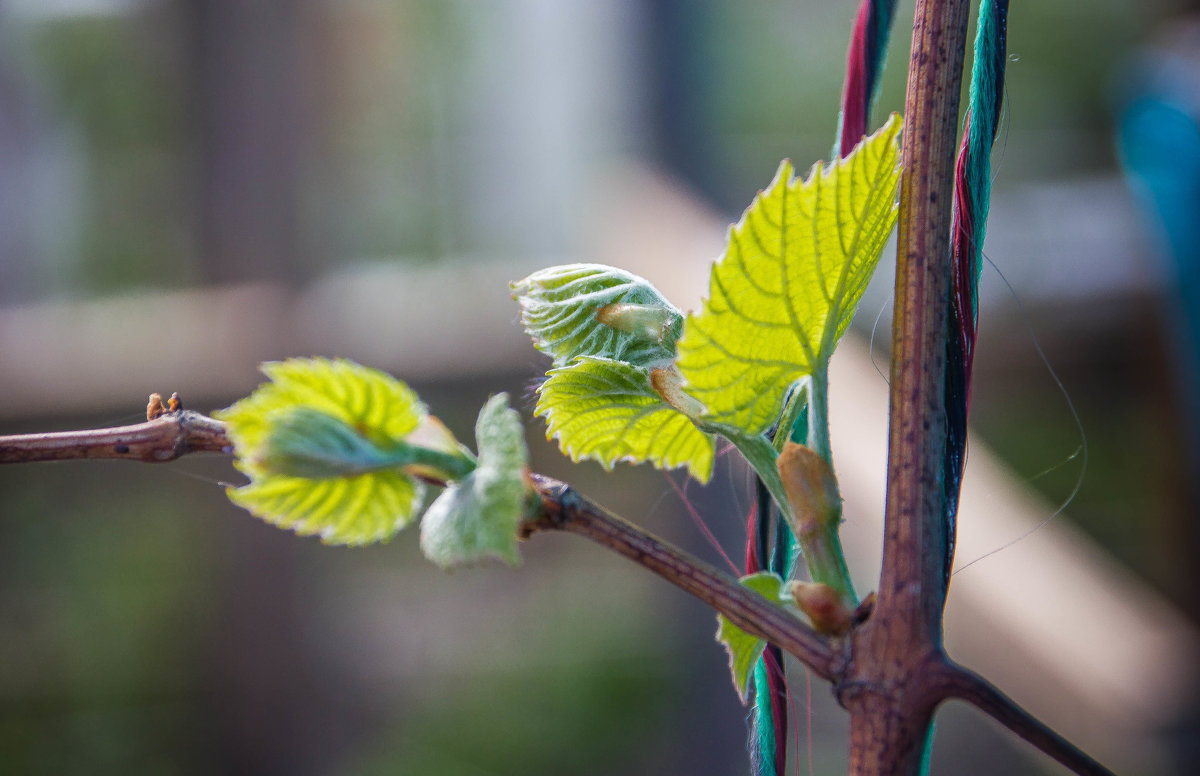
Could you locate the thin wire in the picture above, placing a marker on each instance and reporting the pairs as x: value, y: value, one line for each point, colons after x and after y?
x: 808, y: 701
x: 1055, y: 467
x: 699, y: 521
x: 123, y: 420
x: 203, y: 478
x: 795, y: 732
x: 1081, y: 451
x: 874, y: 328
x: 662, y: 496
x: 1006, y: 128
x: 738, y: 478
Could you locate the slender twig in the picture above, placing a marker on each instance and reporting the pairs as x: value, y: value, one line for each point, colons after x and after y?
x: 566, y: 510
x: 176, y: 433
x: 968, y: 686
x: 165, y: 438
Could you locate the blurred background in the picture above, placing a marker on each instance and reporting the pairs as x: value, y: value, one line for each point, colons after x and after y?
x: 189, y: 187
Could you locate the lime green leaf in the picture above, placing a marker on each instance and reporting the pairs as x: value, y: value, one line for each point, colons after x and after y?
x: 608, y: 411
x: 480, y: 515
x: 331, y: 448
x: 304, y: 442
x: 594, y: 310
x: 357, y: 510
x: 789, y: 283
x: 744, y: 649
x: 376, y: 404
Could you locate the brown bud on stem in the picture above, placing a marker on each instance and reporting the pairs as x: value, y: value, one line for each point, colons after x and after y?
x: 155, y: 407
x: 811, y: 489
x: 823, y: 606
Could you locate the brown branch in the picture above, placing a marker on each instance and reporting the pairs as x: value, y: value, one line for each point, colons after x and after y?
x: 887, y: 691
x: 566, y: 510
x: 911, y: 581
x: 165, y: 438
x: 180, y: 432
x: 968, y: 686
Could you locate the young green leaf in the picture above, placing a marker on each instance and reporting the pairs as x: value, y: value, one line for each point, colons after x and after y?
x: 331, y: 448
x: 593, y: 310
x: 357, y: 510
x: 609, y: 411
x: 744, y: 649
x: 479, y: 516
x: 377, y: 404
x: 789, y: 282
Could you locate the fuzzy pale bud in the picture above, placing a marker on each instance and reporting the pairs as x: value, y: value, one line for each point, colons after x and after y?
x: 822, y: 604
x: 668, y: 383
x: 647, y: 322
x: 811, y: 488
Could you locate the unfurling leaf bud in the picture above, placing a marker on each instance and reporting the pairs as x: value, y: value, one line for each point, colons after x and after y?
x: 576, y: 310
x: 644, y: 321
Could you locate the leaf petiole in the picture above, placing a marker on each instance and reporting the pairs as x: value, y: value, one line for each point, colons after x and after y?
x: 818, y: 411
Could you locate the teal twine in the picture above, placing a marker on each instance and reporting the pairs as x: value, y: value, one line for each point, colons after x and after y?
x: 984, y: 106
x: 881, y: 27
x: 763, y: 741
x: 927, y: 749
x: 972, y: 196
x: 771, y: 546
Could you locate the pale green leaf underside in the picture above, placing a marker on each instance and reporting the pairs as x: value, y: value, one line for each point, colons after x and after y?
x: 744, y: 649
x: 374, y: 403
x: 789, y: 282
x: 304, y: 442
x: 559, y: 308
x: 607, y: 411
x: 479, y: 516
x: 337, y: 423
x: 344, y: 510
